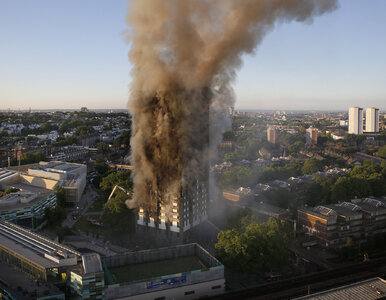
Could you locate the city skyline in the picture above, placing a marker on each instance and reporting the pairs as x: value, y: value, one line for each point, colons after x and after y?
x: 68, y: 55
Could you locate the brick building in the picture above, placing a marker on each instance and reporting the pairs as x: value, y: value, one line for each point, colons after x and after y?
x: 333, y: 224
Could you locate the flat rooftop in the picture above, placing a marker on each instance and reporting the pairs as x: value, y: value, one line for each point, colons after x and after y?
x: 53, y: 166
x: 17, y: 197
x: 5, y: 173
x: 374, y: 288
x: 160, y: 262
x: 154, y: 269
x: 40, y: 193
x: 31, y: 245
x: 23, y: 286
x: 92, y: 263
x: 56, y: 166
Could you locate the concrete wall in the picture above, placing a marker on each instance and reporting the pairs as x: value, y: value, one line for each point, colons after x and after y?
x: 74, y: 192
x: 203, y: 280
x: 139, y: 257
x: 193, y: 291
x: 81, y: 170
x: 45, y: 174
x: 82, y: 181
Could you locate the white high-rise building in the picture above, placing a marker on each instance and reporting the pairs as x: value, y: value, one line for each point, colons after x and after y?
x: 372, y: 119
x: 355, y: 120
x: 312, y: 135
x: 271, y: 135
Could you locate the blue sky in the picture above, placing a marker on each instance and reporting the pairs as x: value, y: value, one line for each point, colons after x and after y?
x: 68, y: 54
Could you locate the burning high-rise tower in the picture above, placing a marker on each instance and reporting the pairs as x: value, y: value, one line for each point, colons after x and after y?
x: 185, y: 55
x: 178, y: 193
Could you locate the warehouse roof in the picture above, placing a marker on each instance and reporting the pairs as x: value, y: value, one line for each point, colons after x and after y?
x: 374, y: 288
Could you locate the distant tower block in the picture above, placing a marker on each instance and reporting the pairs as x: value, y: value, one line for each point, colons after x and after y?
x: 312, y: 135
x: 372, y: 119
x: 355, y: 120
x: 271, y: 135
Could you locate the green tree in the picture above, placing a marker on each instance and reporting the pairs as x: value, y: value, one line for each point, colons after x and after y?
x: 257, y: 248
x: 101, y: 166
x: 383, y: 170
x: 319, y: 192
x: 234, y: 156
x: 382, y: 152
x: 3, y: 133
x: 273, y: 172
x: 84, y: 130
x: 46, y: 128
x: 373, y: 175
x: 296, y: 147
x: 31, y: 158
x: 284, y: 198
x: 60, y: 196
x: 116, y: 204
x: 346, y: 188
x: 124, y: 139
x: 102, y: 148
x: 240, y: 219
x: 117, y: 216
x: 65, y: 141
x: 122, y: 179
x: 55, y: 216
x: 238, y: 176
x: 312, y: 165
x: 10, y: 190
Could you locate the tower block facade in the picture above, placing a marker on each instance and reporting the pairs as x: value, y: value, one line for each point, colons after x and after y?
x: 177, y: 195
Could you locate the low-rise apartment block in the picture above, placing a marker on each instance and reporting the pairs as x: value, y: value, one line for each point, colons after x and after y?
x: 333, y: 224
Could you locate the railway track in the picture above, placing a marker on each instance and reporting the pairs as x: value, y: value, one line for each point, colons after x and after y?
x: 300, y: 286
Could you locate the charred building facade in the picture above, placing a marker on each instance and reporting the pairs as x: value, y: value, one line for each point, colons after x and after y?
x: 175, y: 196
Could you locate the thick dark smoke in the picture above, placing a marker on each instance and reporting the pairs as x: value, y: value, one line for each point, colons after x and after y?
x: 185, y: 55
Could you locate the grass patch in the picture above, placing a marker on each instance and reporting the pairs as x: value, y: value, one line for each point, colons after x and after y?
x: 155, y: 269
x: 83, y: 225
x: 97, y: 206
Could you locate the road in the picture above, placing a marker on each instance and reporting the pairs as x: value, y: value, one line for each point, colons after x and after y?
x: 299, y: 286
x: 85, y: 202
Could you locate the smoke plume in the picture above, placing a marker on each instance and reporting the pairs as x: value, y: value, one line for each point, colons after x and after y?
x: 185, y: 55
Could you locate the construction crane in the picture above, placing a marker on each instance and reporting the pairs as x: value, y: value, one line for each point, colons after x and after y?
x: 128, y: 193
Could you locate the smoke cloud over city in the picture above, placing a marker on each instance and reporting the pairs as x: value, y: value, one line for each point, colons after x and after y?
x: 185, y: 55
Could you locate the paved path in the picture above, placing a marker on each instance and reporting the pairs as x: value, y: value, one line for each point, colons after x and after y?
x: 94, y: 213
x: 86, y: 201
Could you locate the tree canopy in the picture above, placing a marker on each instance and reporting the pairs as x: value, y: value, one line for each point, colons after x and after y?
x: 122, y: 179
x: 116, y: 214
x: 311, y: 166
x: 382, y: 152
x: 31, y: 158
x: 101, y: 166
x: 273, y: 172
x: 238, y: 176
x: 257, y: 248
